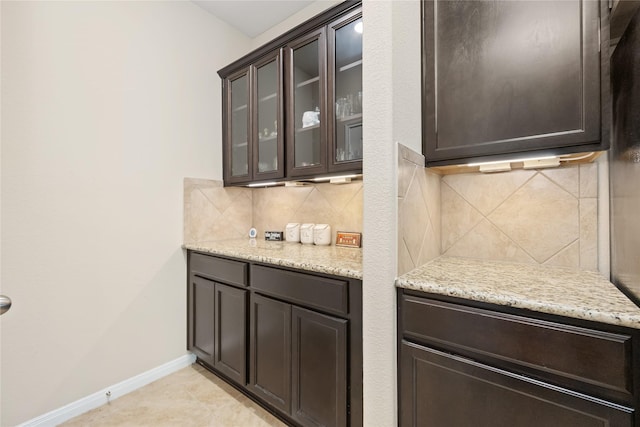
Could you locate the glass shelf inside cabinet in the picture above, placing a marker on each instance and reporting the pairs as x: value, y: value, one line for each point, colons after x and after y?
x: 308, y: 82
x: 268, y: 97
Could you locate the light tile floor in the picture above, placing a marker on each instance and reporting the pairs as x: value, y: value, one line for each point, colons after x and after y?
x: 191, y: 396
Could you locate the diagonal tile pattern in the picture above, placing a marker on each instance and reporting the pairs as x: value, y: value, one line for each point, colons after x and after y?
x: 419, y: 228
x: 540, y: 217
x: 486, y: 241
x: 340, y: 206
x: 546, y: 216
x: 486, y: 191
x: 213, y: 212
x: 458, y: 216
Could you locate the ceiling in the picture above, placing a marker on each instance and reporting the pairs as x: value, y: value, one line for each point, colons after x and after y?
x: 253, y: 17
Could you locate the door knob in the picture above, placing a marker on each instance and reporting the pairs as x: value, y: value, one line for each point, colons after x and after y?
x: 5, y: 304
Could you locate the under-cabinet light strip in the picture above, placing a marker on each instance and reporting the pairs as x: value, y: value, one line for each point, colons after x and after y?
x: 262, y: 184
x: 495, y: 162
x: 329, y: 178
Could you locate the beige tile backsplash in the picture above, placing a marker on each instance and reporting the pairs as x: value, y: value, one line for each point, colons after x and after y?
x: 546, y: 216
x: 213, y: 212
x: 419, y: 227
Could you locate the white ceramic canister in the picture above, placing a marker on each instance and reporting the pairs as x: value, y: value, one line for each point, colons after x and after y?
x: 292, y: 232
x: 322, y: 234
x: 306, y: 233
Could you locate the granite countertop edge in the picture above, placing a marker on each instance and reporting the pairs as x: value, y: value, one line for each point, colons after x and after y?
x: 322, y: 259
x: 586, y: 295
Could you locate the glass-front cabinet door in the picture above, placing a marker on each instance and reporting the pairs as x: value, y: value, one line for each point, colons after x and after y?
x: 253, y: 138
x: 306, y: 105
x: 345, y: 88
x: 268, y: 146
x: 236, y: 144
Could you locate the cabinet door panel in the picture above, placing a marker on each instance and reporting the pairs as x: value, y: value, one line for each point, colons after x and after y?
x: 344, y: 39
x: 506, y: 77
x: 202, y: 318
x: 319, y: 369
x: 268, y: 155
x: 237, y: 125
x: 230, y: 332
x: 306, y: 106
x: 440, y: 389
x: 270, y: 368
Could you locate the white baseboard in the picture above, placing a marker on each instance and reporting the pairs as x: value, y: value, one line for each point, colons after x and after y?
x: 99, y: 398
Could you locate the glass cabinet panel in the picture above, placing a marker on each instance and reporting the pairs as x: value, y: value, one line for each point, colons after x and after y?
x: 267, y: 116
x: 347, y: 94
x: 239, y: 126
x: 307, y: 86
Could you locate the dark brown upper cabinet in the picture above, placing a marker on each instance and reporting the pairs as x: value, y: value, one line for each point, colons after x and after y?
x: 504, y: 79
x: 236, y: 125
x: 344, y: 37
x: 293, y: 108
x: 253, y: 148
x: 307, y: 105
x: 324, y: 99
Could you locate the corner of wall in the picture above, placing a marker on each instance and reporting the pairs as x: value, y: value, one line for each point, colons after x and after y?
x: 419, y: 220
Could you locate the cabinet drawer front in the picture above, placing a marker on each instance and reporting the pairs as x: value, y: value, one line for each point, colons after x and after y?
x: 319, y: 292
x: 223, y: 270
x: 440, y: 389
x: 576, y: 355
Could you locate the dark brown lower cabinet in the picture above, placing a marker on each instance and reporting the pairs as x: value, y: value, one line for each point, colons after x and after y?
x: 464, y: 363
x: 202, y: 303
x: 288, y: 339
x: 270, y: 334
x: 441, y: 389
x: 217, y: 315
x: 230, y: 332
x: 299, y: 361
x: 319, y: 364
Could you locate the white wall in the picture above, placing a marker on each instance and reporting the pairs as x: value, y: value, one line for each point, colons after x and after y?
x: 294, y: 20
x: 106, y: 107
x: 391, y: 79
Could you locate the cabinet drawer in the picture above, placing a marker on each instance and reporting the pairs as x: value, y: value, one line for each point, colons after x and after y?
x: 572, y: 356
x: 223, y: 270
x: 440, y: 389
x: 319, y: 292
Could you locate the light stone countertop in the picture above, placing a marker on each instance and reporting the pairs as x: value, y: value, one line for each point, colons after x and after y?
x: 554, y: 290
x: 336, y: 260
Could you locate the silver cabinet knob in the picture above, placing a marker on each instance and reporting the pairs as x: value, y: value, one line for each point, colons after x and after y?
x: 5, y: 304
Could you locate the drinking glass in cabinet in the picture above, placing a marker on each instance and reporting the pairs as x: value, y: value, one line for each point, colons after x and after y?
x: 348, y: 91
